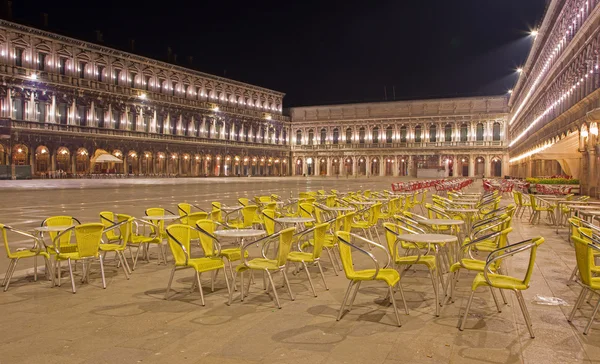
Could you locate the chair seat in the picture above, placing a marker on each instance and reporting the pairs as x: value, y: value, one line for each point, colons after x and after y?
x: 501, y: 281
x: 487, y: 246
x: 111, y: 247
x: 64, y: 248
x: 260, y: 264
x: 428, y: 260
x: 72, y: 256
x: 390, y: 276
x: 360, y: 225
x: 300, y: 257
x: 27, y: 254
x: 205, y: 264
x: 141, y: 239
x: 232, y: 254
x: 470, y: 264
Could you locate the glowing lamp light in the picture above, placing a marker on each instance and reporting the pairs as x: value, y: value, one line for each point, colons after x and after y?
x: 594, y: 129
x: 64, y: 151
x: 519, y: 70
x: 142, y: 96
x: 584, y: 133
x: 510, y: 91
x: 33, y: 76
x: 534, y: 33
x: 19, y: 150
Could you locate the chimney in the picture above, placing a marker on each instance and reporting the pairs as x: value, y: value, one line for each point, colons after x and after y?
x: 175, y: 58
x: 132, y: 44
x: 190, y: 60
x: 99, y: 36
x: 169, y: 54
x: 45, y: 20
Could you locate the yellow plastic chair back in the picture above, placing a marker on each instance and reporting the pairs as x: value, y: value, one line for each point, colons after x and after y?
x: 184, y: 209
x: 180, y: 248
x: 217, y: 212
x: 348, y: 219
x: 87, y: 238
x: 107, y: 218
x: 270, y: 216
x: 65, y: 239
x: 585, y: 258
x: 319, y: 238
x: 249, y: 214
x: 205, y: 241
x: 243, y: 201
x: 346, y: 254
x: 285, y: 245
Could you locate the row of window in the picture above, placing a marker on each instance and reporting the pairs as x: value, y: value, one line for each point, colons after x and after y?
x: 134, y: 80
x: 403, y: 134
x: 98, y: 118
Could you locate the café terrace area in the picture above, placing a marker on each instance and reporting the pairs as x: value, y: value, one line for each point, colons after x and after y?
x: 427, y: 244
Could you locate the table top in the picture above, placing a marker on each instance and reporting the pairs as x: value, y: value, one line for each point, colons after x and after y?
x: 445, y: 222
x: 590, y: 212
x: 462, y: 210
x: 294, y: 220
x: 340, y: 208
x: 162, y: 217
x: 363, y: 202
x: 379, y: 199
x: 240, y: 233
x: 428, y: 238
x: 56, y: 228
x: 231, y: 208
x: 582, y: 207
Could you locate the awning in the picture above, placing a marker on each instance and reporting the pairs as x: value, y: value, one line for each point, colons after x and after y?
x: 102, y: 156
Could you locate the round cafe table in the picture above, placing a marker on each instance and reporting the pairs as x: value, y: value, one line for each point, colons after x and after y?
x: 469, y: 213
x: 162, y: 217
x: 240, y: 233
x: 298, y: 222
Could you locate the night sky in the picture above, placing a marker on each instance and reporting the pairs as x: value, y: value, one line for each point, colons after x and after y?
x: 319, y: 52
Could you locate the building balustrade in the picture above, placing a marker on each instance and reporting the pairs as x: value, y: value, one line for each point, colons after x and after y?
x: 487, y: 143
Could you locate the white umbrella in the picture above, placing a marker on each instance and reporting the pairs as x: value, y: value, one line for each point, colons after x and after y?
x: 106, y: 158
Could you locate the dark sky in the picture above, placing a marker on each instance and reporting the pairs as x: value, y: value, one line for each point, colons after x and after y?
x: 319, y: 52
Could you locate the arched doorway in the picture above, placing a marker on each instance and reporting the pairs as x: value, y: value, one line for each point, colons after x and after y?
x: 161, y: 163
x: 82, y: 161
x: 462, y: 166
x: 118, y: 167
x: 479, y: 166
x: 42, y: 160
x: 133, y: 163
x: 362, y: 166
x: 309, y: 166
x: 348, y: 166
x: 375, y: 167
x: 209, y: 168
x: 198, y: 163
x: 335, y: 166
x: 496, y: 167
x: 277, y: 167
x: 298, y: 167
x: 186, y: 167
x: 323, y: 167
x: 63, y: 160
x: 284, y: 167
x: 254, y: 166
x: 218, y: 166
x: 449, y: 165
x: 147, y: 163
x: 20, y: 155
x: 403, y: 166
x: 173, y: 164
x: 389, y: 166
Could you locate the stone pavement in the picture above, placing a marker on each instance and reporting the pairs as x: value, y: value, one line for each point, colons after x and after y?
x: 129, y: 322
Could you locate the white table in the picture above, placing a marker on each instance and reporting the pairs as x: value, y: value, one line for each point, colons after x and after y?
x: 162, y: 217
x: 56, y: 229
x: 299, y: 222
x: 435, y: 239
x: 240, y: 233
x: 590, y: 213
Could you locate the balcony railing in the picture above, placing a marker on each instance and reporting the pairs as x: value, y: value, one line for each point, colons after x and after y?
x: 8, y: 125
x: 227, y: 106
x: 441, y: 145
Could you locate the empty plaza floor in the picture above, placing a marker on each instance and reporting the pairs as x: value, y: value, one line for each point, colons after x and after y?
x: 130, y: 322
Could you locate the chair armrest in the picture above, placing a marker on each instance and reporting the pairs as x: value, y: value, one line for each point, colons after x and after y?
x: 375, y: 262
x: 185, y: 252
x: 37, y: 245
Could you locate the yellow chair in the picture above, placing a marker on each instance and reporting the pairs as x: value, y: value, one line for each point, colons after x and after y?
x: 500, y: 281
x: 585, y: 247
x: 161, y: 232
x: 269, y: 217
x: 313, y: 257
x: 118, y: 247
x: 537, y: 210
x: 57, y: 221
x: 267, y: 265
x: 139, y: 240
x: 389, y: 276
x: 108, y: 219
x: 20, y: 253
x: 185, y: 209
x: 393, y: 235
x: 179, y: 237
x: 206, y: 230
x: 243, y: 201
x: 369, y: 222
x: 468, y: 262
x: 87, y: 240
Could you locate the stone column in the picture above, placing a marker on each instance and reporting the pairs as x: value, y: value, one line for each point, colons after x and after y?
x: 304, y: 167
x: 329, y: 166
x: 471, y: 166
x: 382, y: 165
x: 409, y: 169
x: 355, y: 166
x: 396, y: 166
x: 368, y: 165
x: 73, y: 163
x: 487, y: 167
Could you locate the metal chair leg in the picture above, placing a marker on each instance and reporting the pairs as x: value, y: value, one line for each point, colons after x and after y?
x: 525, y: 313
x: 464, y: 319
x: 101, y: 271
x: 274, y: 289
x: 391, y: 291
x: 354, y: 295
x: 71, y: 273
x: 228, y: 287
x: 435, y: 292
x: 200, y: 288
x: 589, y: 325
x: 495, y: 300
x: 289, y: 287
x: 322, y: 275
x: 35, y: 268
x: 403, y: 298
x: 350, y: 284
x: 10, y: 264
x: 121, y: 259
x: 309, y: 279
x: 10, y: 274
x: 169, y: 285
x: 333, y: 264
